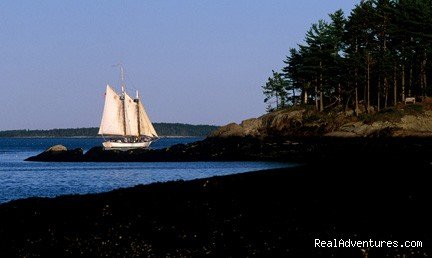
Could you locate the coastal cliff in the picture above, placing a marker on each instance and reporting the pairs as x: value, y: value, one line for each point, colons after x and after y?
x: 401, y: 121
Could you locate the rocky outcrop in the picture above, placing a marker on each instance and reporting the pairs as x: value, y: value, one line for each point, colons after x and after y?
x: 360, y: 129
x: 306, y: 123
x: 230, y: 130
x: 58, y: 153
x: 276, y: 124
x: 283, y: 123
x: 56, y: 149
x: 212, y: 149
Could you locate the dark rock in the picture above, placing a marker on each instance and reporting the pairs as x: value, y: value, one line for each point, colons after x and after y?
x: 94, y: 153
x: 251, y: 149
x: 211, y: 149
x: 59, y: 153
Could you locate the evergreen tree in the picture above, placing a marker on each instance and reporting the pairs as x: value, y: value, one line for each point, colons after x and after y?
x: 317, y: 54
x: 295, y: 78
x: 336, y: 67
x: 374, y: 58
x: 275, y: 91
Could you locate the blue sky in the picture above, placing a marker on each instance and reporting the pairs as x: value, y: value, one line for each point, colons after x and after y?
x: 200, y: 62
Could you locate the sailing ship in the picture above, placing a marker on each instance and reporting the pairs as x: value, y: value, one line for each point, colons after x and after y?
x: 124, y: 121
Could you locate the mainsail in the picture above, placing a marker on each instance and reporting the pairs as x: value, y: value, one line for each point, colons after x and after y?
x: 131, y: 116
x: 125, y: 117
x: 113, y: 115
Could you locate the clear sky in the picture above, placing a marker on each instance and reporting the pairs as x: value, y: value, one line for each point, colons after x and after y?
x: 200, y: 62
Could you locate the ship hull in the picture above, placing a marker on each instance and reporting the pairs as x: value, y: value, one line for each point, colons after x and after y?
x: 126, y: 145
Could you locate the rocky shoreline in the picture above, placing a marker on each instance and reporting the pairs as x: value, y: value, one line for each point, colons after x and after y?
x: 305, y: 150
x: 275, y: 213
x: 297, y: 122
x: 292, y: 134
x: 210, y: 149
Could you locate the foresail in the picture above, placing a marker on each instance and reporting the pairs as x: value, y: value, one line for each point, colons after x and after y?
x: 112, y: 117
x: 131, y: 116
x: 146, y: 127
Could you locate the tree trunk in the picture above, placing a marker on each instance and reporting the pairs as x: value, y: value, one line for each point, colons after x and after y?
x: 395, y: 86
x: 403, y: 82
x: 277, y: 101
x: 356, y: 102
x: 421, y: 79
x: 368, y: 82
x: 379, y: 95
x: 356, y: 91
x: 321, y: 101
x: 356, y: 106
x: 316, y: 94
x: 425, y: 83
x: 293, y: 96
x: 410, y: 81
x: 305, y: 97
x: 424, y: 63
x: 321, y: 88
x: 385, y: 76
x: 347, y: 102
x: 386, y: 87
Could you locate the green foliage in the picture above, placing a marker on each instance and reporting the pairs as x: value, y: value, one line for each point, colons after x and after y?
x: 366, y: 118
x: 275, y: 91
x: 163, y: 129
x: 311, y: 117
x: 371, y: 60
x: 413, y: 109
x: 388, y: 114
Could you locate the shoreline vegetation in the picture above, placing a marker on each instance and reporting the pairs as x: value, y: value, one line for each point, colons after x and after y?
x: 163, y: 129
x: 376, y: 57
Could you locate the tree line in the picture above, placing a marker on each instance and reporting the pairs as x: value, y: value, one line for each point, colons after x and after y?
x: 163, y: 129
x: 373, y: 59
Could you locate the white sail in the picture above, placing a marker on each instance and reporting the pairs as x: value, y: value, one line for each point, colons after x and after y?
x: 146, y: 127
x: 131, y: 112
x: 113, y: 115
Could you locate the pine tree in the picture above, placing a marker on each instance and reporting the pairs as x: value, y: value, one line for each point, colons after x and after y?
x: 377, y: 56
x: 275, y: 91
x: 294, y: 77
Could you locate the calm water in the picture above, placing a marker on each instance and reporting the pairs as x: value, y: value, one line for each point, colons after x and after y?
x: 19, y: 179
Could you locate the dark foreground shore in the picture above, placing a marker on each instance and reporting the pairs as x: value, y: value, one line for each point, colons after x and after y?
x: 303, y: 149
x: 275, y: 213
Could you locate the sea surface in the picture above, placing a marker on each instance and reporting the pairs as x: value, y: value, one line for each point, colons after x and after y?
x: 22, y: 179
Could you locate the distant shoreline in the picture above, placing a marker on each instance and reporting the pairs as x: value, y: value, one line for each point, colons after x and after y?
x: 163, y: 129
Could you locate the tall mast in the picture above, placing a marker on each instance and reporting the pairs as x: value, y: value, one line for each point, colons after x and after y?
x: 123, y: 86
x: 123, y: 97
x: 138, y: 113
